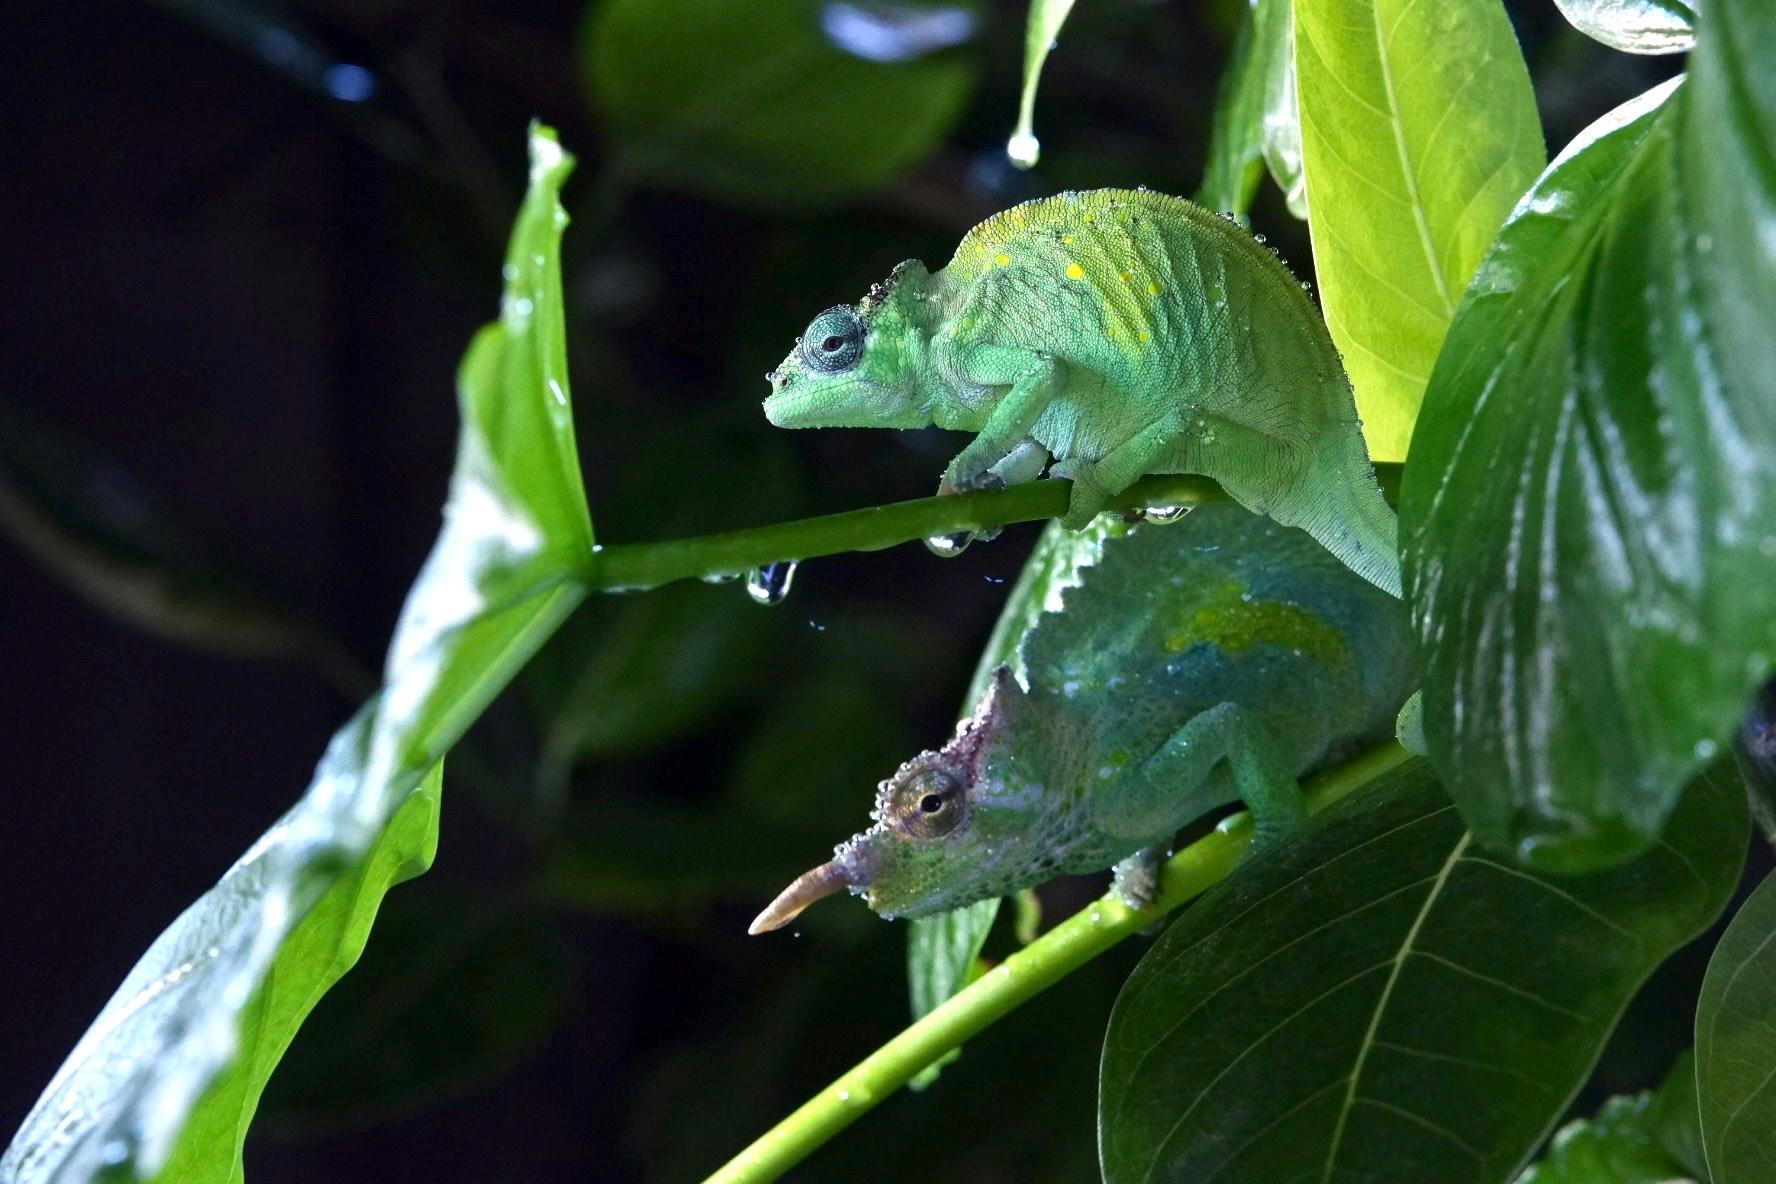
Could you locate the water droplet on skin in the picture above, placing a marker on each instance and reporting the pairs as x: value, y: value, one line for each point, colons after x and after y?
x: 770, y: 584
x: 1160, y: 515
x: 948, y: 546
x: 1024, y: 150
x: 1097, y: 917
x: 1258, y: 238
x: 1705, y: 749
x: 720, y: 577
x: 844, y: 1095
x: 1070, y: 687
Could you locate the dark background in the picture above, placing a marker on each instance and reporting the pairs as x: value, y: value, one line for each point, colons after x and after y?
x: 244, y: 247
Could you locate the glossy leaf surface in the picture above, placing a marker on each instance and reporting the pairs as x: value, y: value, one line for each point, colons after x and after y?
x: 1736, y: 1045
x: 1634, y: 26
x: 1589, y: 514
x: 798, y: 103
x: 166, y: 1080
x: 1379, y: 1000
x: 1419, y: 133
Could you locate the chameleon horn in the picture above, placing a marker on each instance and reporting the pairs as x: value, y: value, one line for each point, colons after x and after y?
x: 807, y: 888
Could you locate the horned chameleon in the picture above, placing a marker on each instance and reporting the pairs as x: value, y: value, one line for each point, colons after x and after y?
x: 1117, y: 333
x: 1193, y: 664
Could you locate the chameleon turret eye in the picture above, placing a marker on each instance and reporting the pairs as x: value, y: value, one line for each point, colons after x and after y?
x: 834, y: 340
x: 928, y: 805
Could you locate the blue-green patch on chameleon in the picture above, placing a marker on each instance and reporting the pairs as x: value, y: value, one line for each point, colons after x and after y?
x: 1213, y: 660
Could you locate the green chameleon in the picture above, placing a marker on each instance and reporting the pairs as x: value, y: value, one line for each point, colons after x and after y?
x: 1192, y: 664
x: 1119, y: 333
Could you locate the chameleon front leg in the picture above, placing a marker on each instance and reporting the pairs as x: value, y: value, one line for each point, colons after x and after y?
x: 1034, y: 379
x: 1173, y: 787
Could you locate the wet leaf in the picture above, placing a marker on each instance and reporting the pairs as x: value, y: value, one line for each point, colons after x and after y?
x: 1419, y: 133
x: 1379, y: 1000
x: 1645, y: 1138
x: 164, y: 1083
x: 1634, y: 26
x: 795, y: 104
x: 1736, y: 1045
x: 1255, y: 122
x: 1589, y: 514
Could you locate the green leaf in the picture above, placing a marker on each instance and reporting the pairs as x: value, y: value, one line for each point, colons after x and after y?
x: 796, y: 103
x: 1255, y: 122
x: 1634, y: 26
x: 1377, y: 1000
x: 1644, y: 1138
x: 1736, y: 1045
x: 1588, y: 519
x: 941, y: 950
x: 121, y: 547
x: 1419, y: 132
x: 164, y: 1083
x: 1040, y: 30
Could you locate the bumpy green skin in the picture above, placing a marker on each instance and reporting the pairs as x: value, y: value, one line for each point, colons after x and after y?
x: 1117, y: 333
x: 1214, y: 659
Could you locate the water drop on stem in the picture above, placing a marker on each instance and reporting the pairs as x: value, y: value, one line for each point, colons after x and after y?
x: 770, y: 584
x: 948, y: 546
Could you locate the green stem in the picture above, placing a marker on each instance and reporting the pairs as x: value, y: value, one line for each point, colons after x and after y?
x: 1023, y: 975
x: 634, y: 567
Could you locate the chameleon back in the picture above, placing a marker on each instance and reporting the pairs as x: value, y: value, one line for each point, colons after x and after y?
x: 1224, y: 606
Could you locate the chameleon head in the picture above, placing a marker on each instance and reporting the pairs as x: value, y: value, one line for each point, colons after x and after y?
x: 948, y: 830
x: 908, y: 862
x: 862, y: 366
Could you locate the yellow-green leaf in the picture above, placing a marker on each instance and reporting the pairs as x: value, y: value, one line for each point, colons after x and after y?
x: 1418, y: 133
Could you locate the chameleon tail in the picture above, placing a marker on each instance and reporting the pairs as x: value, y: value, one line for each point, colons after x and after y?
x: 1338, y: 502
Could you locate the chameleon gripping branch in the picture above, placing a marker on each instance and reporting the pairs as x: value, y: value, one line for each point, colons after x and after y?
x: 1021, y: 977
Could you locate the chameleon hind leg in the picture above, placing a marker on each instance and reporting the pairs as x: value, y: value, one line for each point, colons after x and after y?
x: 1176, y: 785
x: 1095, y: 482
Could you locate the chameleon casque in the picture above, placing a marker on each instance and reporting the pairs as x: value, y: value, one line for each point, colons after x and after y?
x: 1118, y: 333
x: 1193, y: 664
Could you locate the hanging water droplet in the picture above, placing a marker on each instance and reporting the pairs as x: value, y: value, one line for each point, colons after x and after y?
x: 1165, y: 512
x: 1024, y: 150
x: 721, y: 577
x: 770, y: 584
x: 948, y: 546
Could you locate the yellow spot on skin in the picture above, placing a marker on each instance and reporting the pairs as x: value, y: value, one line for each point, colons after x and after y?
x: 1075, y: 272
x: 1231, y: 622
x: 1066, y: 238
x: 1146, y: 336
x: 1003, y: 260
x: 1153, y: 288
x: 1128, y: 277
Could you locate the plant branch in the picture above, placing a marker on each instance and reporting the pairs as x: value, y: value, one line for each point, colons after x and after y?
x: 635, y: 567
x: 638, y: 566
x: 1023, y: 975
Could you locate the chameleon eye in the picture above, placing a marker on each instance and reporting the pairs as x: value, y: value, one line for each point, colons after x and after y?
x: 929, y: 805
x: 834, y: 341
